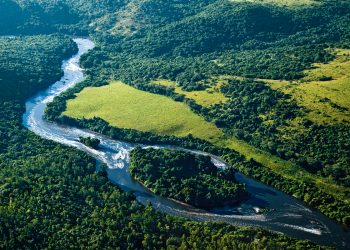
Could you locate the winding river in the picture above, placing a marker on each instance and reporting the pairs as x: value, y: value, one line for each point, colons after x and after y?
x: 285, y: 214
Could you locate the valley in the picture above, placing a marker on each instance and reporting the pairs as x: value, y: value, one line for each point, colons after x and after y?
x: 128, y: 108
x: 115, y: 161
x: 130, y: 105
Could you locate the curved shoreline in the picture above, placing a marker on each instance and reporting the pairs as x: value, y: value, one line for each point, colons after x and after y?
x: 287, y: 214
x: 208, y: 209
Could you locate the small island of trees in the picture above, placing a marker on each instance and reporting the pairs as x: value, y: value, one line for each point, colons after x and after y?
x: 186, y: 177
x: 90, y: 142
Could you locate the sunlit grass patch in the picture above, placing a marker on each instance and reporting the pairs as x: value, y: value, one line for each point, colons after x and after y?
x: 207, y: 97
x: 325, y: 90
x: 126, y: 107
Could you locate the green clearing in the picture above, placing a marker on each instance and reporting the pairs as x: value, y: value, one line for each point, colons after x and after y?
x: 325, y: 90
x: 204, y: 98
x: 126, y: 107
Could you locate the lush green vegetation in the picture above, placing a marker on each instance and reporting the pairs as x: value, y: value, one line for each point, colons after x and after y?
x: 244, y: 44
x: 186, y: 177
x: 274, y: 122
x: 36, y: 70
x: 126, y: 107
x: 292, y: 180
x: 191, y: 43
x: 226, y: 38
x: 90, y: 142
x: 205, y: 97
x: 250, y: 40
x: 323, y: 91
x: 46, y: 16
x: 260, y: 100
x: 52, y: 197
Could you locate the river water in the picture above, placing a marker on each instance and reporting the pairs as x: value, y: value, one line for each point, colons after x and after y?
x: 285, y: 214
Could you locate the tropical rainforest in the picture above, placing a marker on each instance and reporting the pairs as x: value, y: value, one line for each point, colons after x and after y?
x: 52, y: 196
x: 261, y: 56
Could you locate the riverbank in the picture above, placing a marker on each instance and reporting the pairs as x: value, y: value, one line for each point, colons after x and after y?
x: 290, y: 217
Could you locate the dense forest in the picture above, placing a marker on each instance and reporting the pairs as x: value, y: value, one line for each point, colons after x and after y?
x: 186, y: 177
x: 52, y: 197
x: 242, y: 45
x: 36, y: 72
x: 292, y: 40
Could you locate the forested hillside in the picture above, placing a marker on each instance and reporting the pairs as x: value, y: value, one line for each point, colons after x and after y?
x: 137, y: 44
x: 51, y: 195
x: 241, y: 47
x: 262, y: 58
x: 246, y: 40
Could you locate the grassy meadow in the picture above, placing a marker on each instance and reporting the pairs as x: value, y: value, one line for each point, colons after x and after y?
x: 324, y: 91
x: 204, y: 98
x: 126, y: 107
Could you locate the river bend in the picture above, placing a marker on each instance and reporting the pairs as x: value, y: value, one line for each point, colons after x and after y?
x: 286, y: 214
